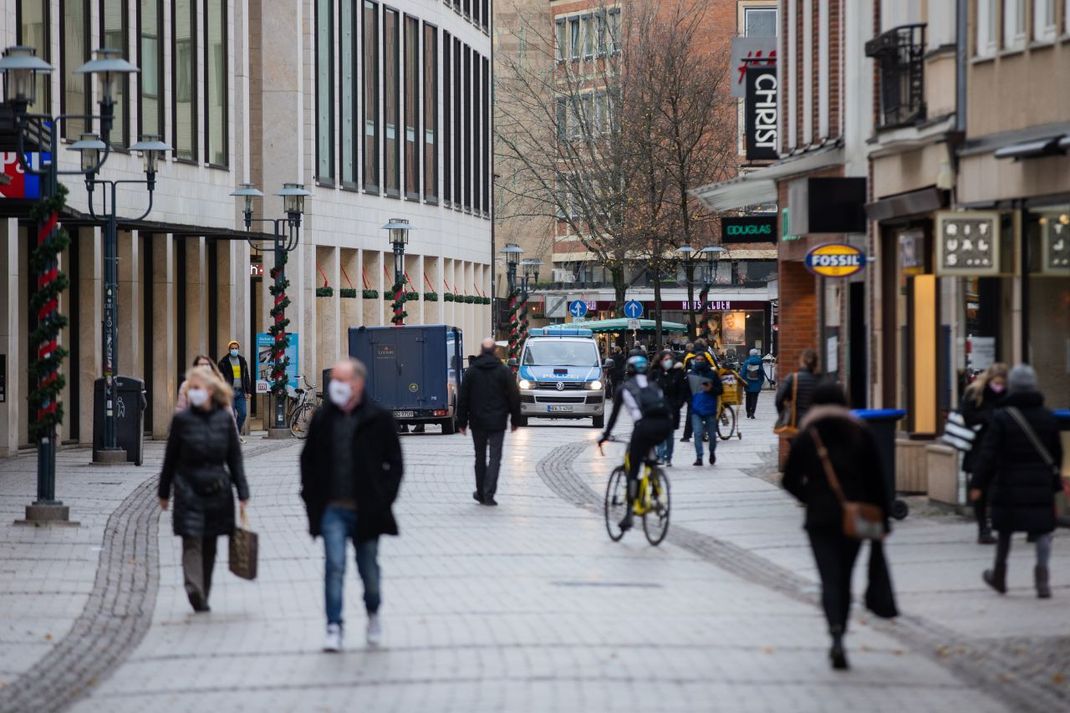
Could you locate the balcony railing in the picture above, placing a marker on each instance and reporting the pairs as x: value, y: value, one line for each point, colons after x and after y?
x: 899, y: 54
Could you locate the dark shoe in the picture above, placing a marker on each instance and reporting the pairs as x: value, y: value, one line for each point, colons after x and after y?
x: 626, y: 523
x: 985, y: 537
x: 837, y: 654
x: 1040, y: 577
x: 198, y: 602
x: 698, y: 461
x: 490, y: 502
x: 685, y: 439
x: 477, y: 497
x: 713, y: 459
x: 996, y: 578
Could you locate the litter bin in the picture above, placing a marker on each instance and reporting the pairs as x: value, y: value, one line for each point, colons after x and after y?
x: 882, y: 422
x: 130, y: 406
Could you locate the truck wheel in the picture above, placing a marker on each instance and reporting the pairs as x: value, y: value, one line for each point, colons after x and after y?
x: 449, y: 427
x: 599, y: 421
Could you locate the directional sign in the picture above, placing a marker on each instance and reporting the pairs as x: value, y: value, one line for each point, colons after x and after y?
x: 633, y: 309
x: 578, y: 309
x: 633, y: 324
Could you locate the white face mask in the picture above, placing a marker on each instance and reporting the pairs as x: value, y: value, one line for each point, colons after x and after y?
x: 340, y: 392
x: 666, y: 364
x: 197, y: 397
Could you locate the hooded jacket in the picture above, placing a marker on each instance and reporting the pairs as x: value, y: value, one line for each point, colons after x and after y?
x: 753, y: 385
x: 489, y: 396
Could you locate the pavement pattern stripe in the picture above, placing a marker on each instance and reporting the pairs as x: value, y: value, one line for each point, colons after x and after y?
x: 1000, y: 671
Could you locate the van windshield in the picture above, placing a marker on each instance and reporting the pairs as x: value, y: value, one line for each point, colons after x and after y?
x: 556, y: 352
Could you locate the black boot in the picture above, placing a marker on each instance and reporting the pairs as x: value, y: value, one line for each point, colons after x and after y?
x: 1040, y: 578
x: 996, y: 578
x: 985, y: 536
x: 837, y: 654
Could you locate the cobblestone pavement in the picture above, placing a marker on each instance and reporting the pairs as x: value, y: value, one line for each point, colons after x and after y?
x: 530, y: 607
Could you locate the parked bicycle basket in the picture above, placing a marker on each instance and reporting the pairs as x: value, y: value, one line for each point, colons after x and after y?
x: 733, y: 388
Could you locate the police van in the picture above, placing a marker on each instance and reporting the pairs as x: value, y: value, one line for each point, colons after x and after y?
x: 560, y: 375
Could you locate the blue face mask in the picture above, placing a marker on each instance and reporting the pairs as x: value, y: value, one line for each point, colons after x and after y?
x: 234, y: 352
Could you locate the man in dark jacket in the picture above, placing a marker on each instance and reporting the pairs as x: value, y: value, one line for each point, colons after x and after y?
x: 235, y: 370
x: 489, y: 397
x: 1019, y: 465
x: 351, y: 471
x: 806, y: 377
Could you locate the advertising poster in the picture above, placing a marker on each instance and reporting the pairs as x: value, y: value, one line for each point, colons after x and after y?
x: 263, y: 361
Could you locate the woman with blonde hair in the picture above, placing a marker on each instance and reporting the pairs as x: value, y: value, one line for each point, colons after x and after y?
x: 203, y: 462
x: 200, y: 360
x: 979, y: 403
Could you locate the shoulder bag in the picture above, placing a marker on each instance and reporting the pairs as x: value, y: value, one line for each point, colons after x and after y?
x: 244, y: 550
x: 1032, y: 436
x: 957, y: 434
x: 786, y: 425
x: 861, y: 521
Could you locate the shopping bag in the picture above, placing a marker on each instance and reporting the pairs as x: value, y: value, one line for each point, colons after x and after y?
x: 244, y: 545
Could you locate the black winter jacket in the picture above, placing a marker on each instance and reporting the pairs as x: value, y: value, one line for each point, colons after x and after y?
x: 978, y: 415
x: 377, y: 468
x: 855, y: 460
x: 489, y: 396
x: 805, y: 395
x: 228, y: 373
x: 1022, y: 487
x: 673, y: 384
x: 203, y: 462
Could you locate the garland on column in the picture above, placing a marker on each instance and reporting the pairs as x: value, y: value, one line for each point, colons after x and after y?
x: 522, y: 327
x: 279, y: 360
x: 514, y: 326
x: 398, y: 304
x: 45, y: 379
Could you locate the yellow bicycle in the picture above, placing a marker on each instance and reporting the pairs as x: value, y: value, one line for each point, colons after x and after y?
x: 652, y: 503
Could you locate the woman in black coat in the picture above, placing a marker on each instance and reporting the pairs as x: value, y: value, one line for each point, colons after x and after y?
x: 852, y: 451
x: 1021, y: 475
x: 203, y: 462
x: 978, y: 404
x: 669, y: 375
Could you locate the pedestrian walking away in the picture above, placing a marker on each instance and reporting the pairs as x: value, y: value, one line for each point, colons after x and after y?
x: 669, y: 375
x: 705, y: 407
x: 831, y: 433
x: 806, y: 376
x: 489, y: 397
x: 753, y: 373
x: 697, y: 357
x: 979, y: 403
x: 1019, y: 463
x: 351, y: 470
x: 649, y: 412
x: 203, y: 465
x: 235, y: 370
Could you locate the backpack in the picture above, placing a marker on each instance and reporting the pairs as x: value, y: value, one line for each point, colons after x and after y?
x: 754, y: 372
x: 650, y: 399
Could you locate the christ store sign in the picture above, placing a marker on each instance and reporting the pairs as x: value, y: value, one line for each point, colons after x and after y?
x: 761, y: 114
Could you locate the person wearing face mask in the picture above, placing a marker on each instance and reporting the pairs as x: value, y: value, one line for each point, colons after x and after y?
x: 236, y: 372
x: 488, y: 398
x: 351, y: 469
x: 669, y: 375
x: 203, y: 465
x: 979, y: 402
x: 753, y: 378
x: 182, y: 403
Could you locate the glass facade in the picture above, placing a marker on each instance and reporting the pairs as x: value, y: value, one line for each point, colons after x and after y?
x: 370, y: 81
x: 215, y: 61
x: 325, y: 91
x: 184, y: 78
x: 150, y: 61
x: 33, y: 30
x: 113, y: 35
x: 447, y: 118
x: 347, y: 27
x: 74, y: 88
x: 412, y: 108
x: 430, y: 50
x: 391, y: 103
x: 1046, y: 300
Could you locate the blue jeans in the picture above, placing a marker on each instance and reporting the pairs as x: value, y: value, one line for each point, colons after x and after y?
x: 240, y: 408
x: 665, y: 448
x: 338, y: 526
x: 700, y: 425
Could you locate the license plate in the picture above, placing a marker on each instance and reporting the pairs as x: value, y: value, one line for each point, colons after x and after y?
x: 559, y: 409
x: 404, y: 414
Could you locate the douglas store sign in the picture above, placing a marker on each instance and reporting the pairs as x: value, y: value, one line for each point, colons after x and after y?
x: 749, y: 229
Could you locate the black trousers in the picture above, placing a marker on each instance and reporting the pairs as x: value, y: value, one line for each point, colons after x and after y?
x: 647, y: 433
x: 487, y: 472
x: 835, y: 556
x: 752, y: 402
x: 980, y: 512
x: 687, y: 421
x: 198, y: 561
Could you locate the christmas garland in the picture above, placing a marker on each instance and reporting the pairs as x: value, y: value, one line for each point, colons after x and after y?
x: 277, y: 330
x: 45, y: 379
x: 514, y: 327
x: 398, y: 305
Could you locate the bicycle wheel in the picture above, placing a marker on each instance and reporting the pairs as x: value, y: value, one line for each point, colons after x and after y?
x: 656, y: 519
x: 726, y: 424
x: 301, y: 420
x: 616, y: 502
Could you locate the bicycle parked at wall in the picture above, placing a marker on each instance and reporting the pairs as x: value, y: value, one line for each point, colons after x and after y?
x: 301, y: 404
x: 652, y: 502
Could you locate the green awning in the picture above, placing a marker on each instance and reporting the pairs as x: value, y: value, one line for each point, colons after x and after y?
x: 601, y: 326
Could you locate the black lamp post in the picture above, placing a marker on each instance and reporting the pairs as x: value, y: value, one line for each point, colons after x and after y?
x: 531, y: 274
x: 711, y: 254
x: 287, y: 233
x: 397, y: 230
x: 687, y: 254
x: 20, y: 67
x: 512, y: 253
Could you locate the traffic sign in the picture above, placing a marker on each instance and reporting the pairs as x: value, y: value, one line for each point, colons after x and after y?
x: 633, y: 309
x: 578, y: 309
x: 633, y: 324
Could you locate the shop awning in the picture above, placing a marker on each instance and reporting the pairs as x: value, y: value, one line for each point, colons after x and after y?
x: 1037, y: 148
x: 601, y: 326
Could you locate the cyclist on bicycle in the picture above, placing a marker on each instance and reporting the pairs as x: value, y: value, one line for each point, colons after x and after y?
x: 652, y: 416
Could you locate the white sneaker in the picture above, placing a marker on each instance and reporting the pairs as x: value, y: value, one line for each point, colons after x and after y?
x: 375, y: 630
x: 333, y: 641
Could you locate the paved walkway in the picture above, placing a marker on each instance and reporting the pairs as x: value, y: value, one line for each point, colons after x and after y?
x: 529, y: 606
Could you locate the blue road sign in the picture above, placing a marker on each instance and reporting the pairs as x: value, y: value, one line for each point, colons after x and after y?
x: 633, y: 309
x: 578, y: 309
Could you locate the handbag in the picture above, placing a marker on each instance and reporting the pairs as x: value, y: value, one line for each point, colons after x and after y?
x: 1032, y: 436
x: 785, y: 425
x: 861, y: 521
x: 957, y: 434
x: 244, y: 548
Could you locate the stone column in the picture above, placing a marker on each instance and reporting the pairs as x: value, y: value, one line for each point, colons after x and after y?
x: 129, y: 341
x: 90, y: 313
x: 351, y: 311
x: 373, y: 271
x: 328, y: 314
x: 165, y: 376
x: 196, y: 298
x: 12, y: 409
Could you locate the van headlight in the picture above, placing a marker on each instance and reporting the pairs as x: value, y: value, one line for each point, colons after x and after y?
x: 525, y: 384
x: 594, y: 385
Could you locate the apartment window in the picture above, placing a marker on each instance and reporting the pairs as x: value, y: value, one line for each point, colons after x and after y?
x: 33, y: 27
x: 391, y: 103
x: 412, y: 108
x: 150, y: 61
x: 467, y: 8
x: 215, y: 90
x: 485, y: 166
x: 562, y: 39
x: 486, y: 15
x: 614, y: 31
x: 74, y: 44
x: 430, y: 113
x: 899, y: 54
x: 370, y: 79
x: 1013, y: 23
x: 458, y: 126
x: 113, y: 35
x: 986, y: 28
x: 574, y: 37
x: 347, y: 22
x: 184, y: 78
x: 587, y: 32
x: 1044, y: 20
x: 466, y: 122
x: 475, y: 117
x: 759, y: 21
x: 325, y: 91
x: 447, y: 118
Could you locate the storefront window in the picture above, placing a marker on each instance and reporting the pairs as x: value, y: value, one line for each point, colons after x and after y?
x: 1046, y: 301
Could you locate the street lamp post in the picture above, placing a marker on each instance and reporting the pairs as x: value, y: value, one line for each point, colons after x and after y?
x: 512, y: 253
x: 531, y: 273
x: 710, y: 254
x: 286, y: 235
x: 398, y: 232
x: 20, y: 67
x: 687, y: 254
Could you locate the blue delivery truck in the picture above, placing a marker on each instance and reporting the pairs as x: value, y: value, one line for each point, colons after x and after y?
x: 413, y: 371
